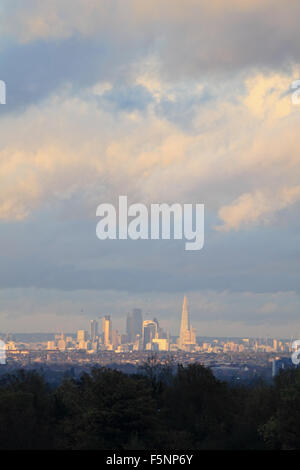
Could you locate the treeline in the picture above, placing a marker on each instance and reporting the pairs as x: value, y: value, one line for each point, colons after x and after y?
x: 155, y: 409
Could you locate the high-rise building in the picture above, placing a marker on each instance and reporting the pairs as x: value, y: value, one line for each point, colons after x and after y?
x: 81, y: 336
x: 185, y: 321
x: 61, y: 344
x: 128, y: 327
x: 150, y: 332
x: 94, y: 330
x: 187, y: 336
x: 134, y: 324
x: 107, y: 330
x: 116, y: 339
x: 82, y: 339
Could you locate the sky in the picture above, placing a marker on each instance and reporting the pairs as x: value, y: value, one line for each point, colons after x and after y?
x: 164, y: 104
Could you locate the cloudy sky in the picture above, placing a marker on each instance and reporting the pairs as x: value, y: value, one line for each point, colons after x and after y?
x: 163, y: 101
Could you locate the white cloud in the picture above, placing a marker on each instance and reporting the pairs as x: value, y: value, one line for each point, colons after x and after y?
x: 238, y: 155
x: 252, y: 209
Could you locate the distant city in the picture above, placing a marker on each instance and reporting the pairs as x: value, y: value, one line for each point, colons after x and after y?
x: 147, y: 335
x: 240, y: 359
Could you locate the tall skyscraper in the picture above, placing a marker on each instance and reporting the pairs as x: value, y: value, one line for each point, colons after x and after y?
x: 185, y: 321
x: 150, y: 332
x: 94, y: 330
x: 187, y: 336
x: 82, y: 339
x: 107, y: 330
x: 116, y: 339
x: 134, y: 324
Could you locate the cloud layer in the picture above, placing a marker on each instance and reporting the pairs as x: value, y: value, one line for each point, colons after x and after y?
x: 163, y: 103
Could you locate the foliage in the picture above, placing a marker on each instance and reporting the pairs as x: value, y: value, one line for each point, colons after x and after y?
x: 163, y: 406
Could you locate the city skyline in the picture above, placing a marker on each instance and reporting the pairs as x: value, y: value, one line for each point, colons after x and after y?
x: 205, y: 318
x: 142, y: 334
x: 132, y: 326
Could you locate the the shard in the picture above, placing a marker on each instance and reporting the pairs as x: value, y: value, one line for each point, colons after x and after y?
x: 187, y: 339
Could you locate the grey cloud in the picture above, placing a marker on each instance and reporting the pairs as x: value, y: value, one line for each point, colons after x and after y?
x: 66, y: 255
x: 197, y: 38
x: 197, y: 42
x: 33, y: 71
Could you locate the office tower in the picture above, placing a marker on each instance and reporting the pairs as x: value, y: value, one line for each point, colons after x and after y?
x: 187, y: 337
x: 82, y: 339
x: 116, y: 339
x: 129, y: 327
x: 150, y: 332
x: 94, y: 330
x: 134, y: 323
x: 124, y: 339
x: 81, y: 335
x: 107, y: 330
x: 156, y: 321
x: 160, y: 332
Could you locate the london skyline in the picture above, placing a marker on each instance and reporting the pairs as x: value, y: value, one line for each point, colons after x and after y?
x: 120, y: 323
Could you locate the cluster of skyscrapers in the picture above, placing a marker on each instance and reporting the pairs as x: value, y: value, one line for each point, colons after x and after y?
x: 141, y: 335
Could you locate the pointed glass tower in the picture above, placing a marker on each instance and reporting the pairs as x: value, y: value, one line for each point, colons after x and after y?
x: 185, y: 321
x: 187, y: 334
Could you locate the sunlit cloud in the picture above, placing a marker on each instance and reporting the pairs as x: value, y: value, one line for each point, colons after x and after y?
x: 162, y: 103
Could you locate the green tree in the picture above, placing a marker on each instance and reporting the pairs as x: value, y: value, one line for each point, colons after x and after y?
x: 106, y: 410
x: 26, y: 412
x: 198, y: 409
x: 282, y: 429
